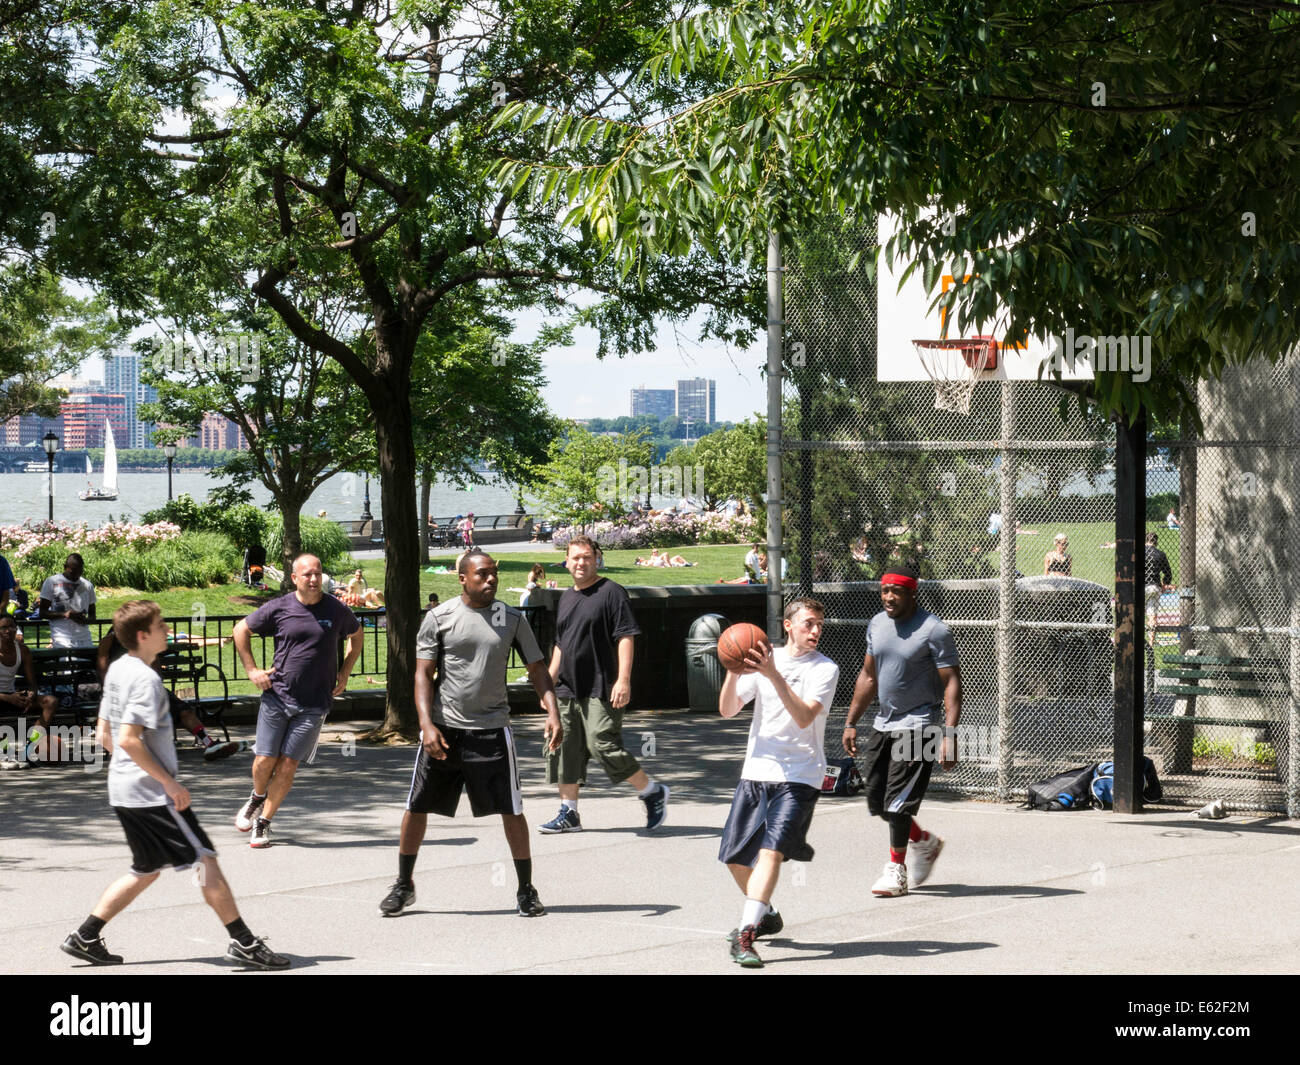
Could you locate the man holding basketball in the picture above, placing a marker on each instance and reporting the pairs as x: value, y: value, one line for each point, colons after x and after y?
x: 591, y: 668
x: 785, y: 764
x: 911, y: 665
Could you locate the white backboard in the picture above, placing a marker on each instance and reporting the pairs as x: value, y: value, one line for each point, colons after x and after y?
x: 904, y: 315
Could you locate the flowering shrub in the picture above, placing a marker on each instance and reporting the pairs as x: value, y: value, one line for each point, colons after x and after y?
x: 664, y: 530
x: 22, y: 540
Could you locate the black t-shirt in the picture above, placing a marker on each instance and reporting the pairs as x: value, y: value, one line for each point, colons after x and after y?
x: 1157, y: 567
x: 589, y: 624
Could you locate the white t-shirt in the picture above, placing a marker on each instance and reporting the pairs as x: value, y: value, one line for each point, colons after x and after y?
x: 779, y: 750
x: 134, y: 695
x: 8, y: 673
x: 65, y: 595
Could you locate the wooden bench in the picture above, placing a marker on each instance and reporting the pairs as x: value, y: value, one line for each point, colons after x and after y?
x: 1189, y: 677
x: 70, y: 674
x: 186, y: 664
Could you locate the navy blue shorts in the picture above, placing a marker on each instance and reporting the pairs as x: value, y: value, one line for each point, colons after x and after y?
x: 768, y: 815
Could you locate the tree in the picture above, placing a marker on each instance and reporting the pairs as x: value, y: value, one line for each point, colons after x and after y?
x: 733, y: 465
x: 44, y: 332
x: 574, y: 483
x: 353, y: 157
x: 293, y: 404
x: 1078, y: 161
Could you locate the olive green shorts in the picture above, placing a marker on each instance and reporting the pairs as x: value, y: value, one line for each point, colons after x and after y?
x: 592, y: 728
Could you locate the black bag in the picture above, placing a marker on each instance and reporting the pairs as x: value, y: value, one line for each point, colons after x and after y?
x: 1070, y: 790
x: 842, y: 778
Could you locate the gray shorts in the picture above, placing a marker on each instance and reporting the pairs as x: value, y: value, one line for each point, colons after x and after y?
x: 284, y: 729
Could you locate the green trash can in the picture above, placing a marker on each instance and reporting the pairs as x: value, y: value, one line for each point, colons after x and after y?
x: 704, y: 673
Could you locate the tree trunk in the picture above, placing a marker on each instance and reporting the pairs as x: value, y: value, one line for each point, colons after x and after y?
x: 396, y: 449
x: 426, y: 485
x: 291, y: 543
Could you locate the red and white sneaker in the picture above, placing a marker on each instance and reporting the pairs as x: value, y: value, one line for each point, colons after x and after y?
x: 921, y: 858
x: 892, y: 882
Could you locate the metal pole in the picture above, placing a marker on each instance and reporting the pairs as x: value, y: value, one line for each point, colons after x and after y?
x: 775, y: 339
x: 1293, y: 587
x: 1130, y: 615
x: 1006, y: 589
x: 169, y: 478
x: 49, y: 461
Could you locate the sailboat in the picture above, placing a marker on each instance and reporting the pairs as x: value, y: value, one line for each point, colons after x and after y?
x: 109, y: 489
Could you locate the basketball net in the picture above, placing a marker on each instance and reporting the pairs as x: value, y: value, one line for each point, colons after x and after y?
x: 955, y: 367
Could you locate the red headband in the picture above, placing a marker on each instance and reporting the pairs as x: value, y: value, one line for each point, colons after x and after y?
x: 899, y: 578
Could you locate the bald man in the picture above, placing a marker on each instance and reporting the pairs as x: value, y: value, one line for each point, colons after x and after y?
x: 297, y: 690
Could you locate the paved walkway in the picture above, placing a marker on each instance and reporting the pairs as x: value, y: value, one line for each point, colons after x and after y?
x: 1015, y: 891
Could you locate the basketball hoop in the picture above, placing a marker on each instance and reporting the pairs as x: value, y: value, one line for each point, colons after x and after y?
x: 955, y: 367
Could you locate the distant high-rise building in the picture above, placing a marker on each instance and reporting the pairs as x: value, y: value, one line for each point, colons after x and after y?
x: 696, y: 399
x: 84, y: 415
x: 122, y: 375
x: 219, y: 433
x: 658, y: 402
x: 29, y: 429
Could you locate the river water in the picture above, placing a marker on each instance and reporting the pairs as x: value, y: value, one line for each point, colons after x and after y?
x: 23, y: 495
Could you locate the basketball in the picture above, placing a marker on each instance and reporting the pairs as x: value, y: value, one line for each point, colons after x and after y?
x: 735, y: 641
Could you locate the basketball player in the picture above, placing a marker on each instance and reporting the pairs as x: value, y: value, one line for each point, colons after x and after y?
x: 911, y: 665
x: 785, y: 764
x: 466, y: 743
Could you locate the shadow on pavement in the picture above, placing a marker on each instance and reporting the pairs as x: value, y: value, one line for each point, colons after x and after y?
x: 1188, y: 824
x: 1018, y: 891
x: 905, y: 948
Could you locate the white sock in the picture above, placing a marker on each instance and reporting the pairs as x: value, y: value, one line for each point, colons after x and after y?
x: 752, y: 913
x: 569, y: 804
x: 648, y: 789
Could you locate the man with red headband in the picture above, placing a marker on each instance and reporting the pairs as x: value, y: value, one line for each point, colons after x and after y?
x: 911, y: 666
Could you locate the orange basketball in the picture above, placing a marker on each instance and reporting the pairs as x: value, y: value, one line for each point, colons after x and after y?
x: 735, y: 641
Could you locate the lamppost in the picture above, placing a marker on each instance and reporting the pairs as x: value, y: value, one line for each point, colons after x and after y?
x: 51, y: 445
x: 170, y: 451
x: 365, y: 506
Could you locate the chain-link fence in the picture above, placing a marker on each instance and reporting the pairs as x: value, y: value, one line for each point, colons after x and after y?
x: 1010, y: 514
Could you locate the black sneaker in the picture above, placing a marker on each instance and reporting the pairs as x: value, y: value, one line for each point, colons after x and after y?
x: 400, y: 897
x: 529, y: 904
x: 221, y: 750
x: 656, y: 807
x: 770, y: 925
x: 94, y: 951
x: 257, y: 955
x: 742, y: 949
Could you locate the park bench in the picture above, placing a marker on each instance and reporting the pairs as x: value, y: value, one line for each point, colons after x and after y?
x: 185, y: 665
x: 1189, y: 677
x: 70, y: 674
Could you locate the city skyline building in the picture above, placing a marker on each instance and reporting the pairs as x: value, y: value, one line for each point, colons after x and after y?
x: 697, y: 399
x: 657, y: 402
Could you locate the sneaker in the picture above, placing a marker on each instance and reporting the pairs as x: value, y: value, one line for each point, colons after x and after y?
x: 656, y: 807
x: 219, y: 751
x: 261, y: 834
x: 400, y: 897
x: 247, y: 816
x: 742, y: 948
x: 257, y: 955
x: 567, y: 820
x: 770, y: 925
x: 922, y: 854
x: 892, y: 882
x: 529, y: 904
x: 94, y: 951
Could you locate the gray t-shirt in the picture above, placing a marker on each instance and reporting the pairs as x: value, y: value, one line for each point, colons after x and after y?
x: 909, y: 655
x: 134, y: 695
x: 472, y: 649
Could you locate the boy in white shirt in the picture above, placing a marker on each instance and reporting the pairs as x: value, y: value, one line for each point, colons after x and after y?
x: 135, y: 725
x: 785, y: 763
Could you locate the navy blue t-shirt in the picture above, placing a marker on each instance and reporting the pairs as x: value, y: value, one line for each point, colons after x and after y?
x: 306, y: 646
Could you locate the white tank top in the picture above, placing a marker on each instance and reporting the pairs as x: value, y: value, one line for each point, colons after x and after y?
x: 8, y: 673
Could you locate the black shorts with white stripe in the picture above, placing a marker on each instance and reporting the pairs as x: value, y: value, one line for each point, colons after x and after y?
x: 894, y: 780
x: 160, y: 836
x: 479, y: 761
